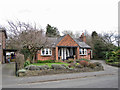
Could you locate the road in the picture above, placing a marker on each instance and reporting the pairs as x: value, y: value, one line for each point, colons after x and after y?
x: 102, y: 79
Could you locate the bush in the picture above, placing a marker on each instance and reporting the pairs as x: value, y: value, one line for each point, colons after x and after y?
x: 77, y: 61
x: 57, y: 67
x: 26, y: 63
x: 43, y: 67
x: 78, y: 65
x: 32, y: 67
x: 98, y: 64
x: 84, y: 63
x: 69, y: 61
x: 110, y: 60
x: 65, y: 66
x: 21, y: 71
x: 117, y: 64
x: 92, y: 65
x: 72, y: 65
x: 46, y: 61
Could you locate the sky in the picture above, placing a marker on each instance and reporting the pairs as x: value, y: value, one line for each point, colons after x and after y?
x: 74, y: 15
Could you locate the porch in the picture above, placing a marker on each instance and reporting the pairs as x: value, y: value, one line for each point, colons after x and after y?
x: 67, y: 52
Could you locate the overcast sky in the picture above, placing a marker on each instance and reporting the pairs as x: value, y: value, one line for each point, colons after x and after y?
x: 74, y: 15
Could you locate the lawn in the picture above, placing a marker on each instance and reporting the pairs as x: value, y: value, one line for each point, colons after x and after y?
x: 49, y: 64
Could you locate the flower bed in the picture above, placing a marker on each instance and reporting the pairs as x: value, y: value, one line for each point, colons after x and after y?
x: 36, y: 70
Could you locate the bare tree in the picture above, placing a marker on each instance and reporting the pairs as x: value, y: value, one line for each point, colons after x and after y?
x: 25, y: 35
x: 109, y: 37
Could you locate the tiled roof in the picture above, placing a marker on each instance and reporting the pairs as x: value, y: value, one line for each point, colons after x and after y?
x: 55, y: 41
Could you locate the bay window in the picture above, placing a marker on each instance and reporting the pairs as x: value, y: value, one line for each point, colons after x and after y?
x: 46, y: 51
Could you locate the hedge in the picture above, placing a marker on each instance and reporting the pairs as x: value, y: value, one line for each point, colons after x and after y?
x: 46, y: 61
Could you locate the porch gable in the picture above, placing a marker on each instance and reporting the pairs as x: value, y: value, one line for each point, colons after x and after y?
x: 68, y: 41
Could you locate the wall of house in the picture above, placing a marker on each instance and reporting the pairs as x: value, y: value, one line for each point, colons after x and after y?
x: 52, y: 57
x: 3, y: 46
x: 4, y: 40
x: 85, y: 56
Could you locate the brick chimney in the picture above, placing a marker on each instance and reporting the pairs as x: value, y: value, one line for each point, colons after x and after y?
x: 83, y: 37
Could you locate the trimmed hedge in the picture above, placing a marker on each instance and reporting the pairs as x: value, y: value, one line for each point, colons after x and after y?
x: 46, y: 61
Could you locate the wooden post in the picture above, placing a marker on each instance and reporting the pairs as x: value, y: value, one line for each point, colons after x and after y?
x: 57, y: 53
x: 74, y: 59
x: 77, y: 57
x: 60, y: 58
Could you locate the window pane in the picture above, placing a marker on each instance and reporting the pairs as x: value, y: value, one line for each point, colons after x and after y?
x: 83, y: 51
x: 46, y: 51
x: 50, y: 51
x: 43, y: 52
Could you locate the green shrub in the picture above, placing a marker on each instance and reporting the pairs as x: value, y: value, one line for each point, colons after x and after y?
x: 110, y: 60
x: 26, y: 63
x: 69, y: 61
x: 46, y: 61
x: 117, y: 64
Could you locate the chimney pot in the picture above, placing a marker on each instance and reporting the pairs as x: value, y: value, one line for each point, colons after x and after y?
x: 83, y: 37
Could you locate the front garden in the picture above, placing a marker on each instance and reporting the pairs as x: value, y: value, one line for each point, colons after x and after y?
x: 48, y: 67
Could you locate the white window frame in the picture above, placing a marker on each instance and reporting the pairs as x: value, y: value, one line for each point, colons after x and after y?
x: 83, y: 50
x: 49, y: 54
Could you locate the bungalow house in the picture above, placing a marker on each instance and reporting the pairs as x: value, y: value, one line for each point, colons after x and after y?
x: 64, y: 48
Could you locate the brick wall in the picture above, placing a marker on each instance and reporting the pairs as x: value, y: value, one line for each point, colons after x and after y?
x: 3, y: 45
x: 4, y: 40
x: 39, y: 57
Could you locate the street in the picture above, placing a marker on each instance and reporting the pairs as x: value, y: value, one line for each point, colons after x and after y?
x: 101, y: 79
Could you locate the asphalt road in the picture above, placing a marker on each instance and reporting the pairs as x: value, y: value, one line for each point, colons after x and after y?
x: 102, y: 79
x: 105, y: 81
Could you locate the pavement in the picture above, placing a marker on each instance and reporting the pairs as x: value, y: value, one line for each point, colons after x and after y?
x: 101, y: 79
x: 0, y: 76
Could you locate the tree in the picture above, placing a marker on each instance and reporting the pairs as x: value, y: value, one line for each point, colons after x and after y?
x: 52, y: 31
x: 94, y: 34
x: 26, y: 38
x: 100, y: 46
x: 68, y: 32
x: 110, y: 37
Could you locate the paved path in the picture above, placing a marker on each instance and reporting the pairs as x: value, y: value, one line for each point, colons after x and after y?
x: 101, y: 79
